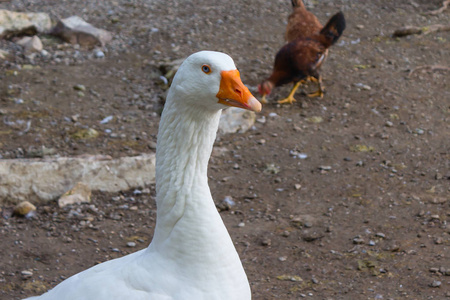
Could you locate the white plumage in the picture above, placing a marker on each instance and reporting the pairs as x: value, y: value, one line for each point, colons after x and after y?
x: 191, y: 255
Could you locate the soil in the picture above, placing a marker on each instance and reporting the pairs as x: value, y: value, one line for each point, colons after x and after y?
x: 345, y: 197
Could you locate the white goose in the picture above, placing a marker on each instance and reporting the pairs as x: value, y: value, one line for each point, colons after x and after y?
x: 191, y: 256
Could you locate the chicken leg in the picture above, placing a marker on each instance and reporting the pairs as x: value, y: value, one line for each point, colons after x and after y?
x: 290, y: 99
x: 319, y: 92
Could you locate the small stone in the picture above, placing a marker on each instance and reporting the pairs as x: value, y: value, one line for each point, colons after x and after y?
x: 262, y: 141
x: 99, y: 54
x: 26, y: 274
x: 31, y: 44
x: 438, y: 240
x: 380, y: 235
x: 282, y: 258
x: 242, y: 224
x: 298, y: 186
x: 302, y: 155
x: 286, y: 233
x: 434, y: 270
x: 358, y: 241
x: 435, y: 283
x: 325, y: 168
x: 266, y: 242
x: 152, y: 145
x: 115, y: 250
x: 79, y: 87
x: 293, y: 278
x: 131, y: 244
x: 24, y: 209
x: 389, y: 124
x: 261, y: 120
x: 315, y: 119
x: 80, y: 193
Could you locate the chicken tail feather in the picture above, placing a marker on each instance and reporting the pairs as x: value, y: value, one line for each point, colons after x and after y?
x: 333, y: 30
x: 297, y: 4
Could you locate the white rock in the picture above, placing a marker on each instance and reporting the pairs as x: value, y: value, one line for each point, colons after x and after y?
x: 31, y: 44
x: 48, y: 178
x: 77, y: 31
x: 80, y: 193
x: 235, y: 119
x: 26, y: 274
x: 14, y: 23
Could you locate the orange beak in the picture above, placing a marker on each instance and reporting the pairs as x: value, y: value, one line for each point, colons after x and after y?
x: 233, y: 92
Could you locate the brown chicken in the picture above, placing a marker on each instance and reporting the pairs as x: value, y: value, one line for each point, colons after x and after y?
x: 301, y: 22
x: 307, y: 48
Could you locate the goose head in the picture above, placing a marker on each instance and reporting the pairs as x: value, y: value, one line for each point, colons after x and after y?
x: 209, y: 80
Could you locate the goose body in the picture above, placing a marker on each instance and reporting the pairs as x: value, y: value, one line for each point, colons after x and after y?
x: 191, y: 255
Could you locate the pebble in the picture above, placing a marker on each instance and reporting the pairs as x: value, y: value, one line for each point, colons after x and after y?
x: 282, y: 258
x: 434, y: 270
x: 99, y: 54
x: 115, y: 250
x: 266, y: 242
x: 325, y: 168
x: 358, y: 241
x: 24, y: 209
x: 420, y: 131
x: 152, y: 145
x: 131, y: 244
x: 242, y: 224
x: 26, y: 274
x: 438, y: 240
x: 261, y: 120
x: 79, y: 87
x: 107, y: 119
x: 435, y: 217
x: 380, y: 235
x: 302, y: 155
x: 436, y: 283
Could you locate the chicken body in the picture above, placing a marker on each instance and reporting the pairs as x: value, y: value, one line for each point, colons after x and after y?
x: 307, y: 48
x: 301, y: 22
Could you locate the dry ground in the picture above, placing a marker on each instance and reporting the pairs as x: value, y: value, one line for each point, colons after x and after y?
x: 363, y: 216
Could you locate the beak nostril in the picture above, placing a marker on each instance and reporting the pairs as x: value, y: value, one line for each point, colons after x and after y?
x: 238, y: 91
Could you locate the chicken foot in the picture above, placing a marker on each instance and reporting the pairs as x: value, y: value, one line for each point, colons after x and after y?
x: 290, y: 99
x: 319, y: 92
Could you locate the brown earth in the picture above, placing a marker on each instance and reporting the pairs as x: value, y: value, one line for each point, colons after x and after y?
x: 363, y: 216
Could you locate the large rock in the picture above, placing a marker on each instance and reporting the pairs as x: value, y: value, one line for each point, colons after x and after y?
x: 19, y: 23
x: 43, y: 180
x: 235, y: 119
x: 77, y: 31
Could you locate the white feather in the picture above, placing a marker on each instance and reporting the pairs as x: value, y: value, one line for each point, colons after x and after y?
x: 191, y: 256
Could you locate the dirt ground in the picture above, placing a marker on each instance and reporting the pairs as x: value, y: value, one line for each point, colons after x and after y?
x: 345, y: 197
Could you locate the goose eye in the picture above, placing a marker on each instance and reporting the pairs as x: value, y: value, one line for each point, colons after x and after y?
x: 206, y: 69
